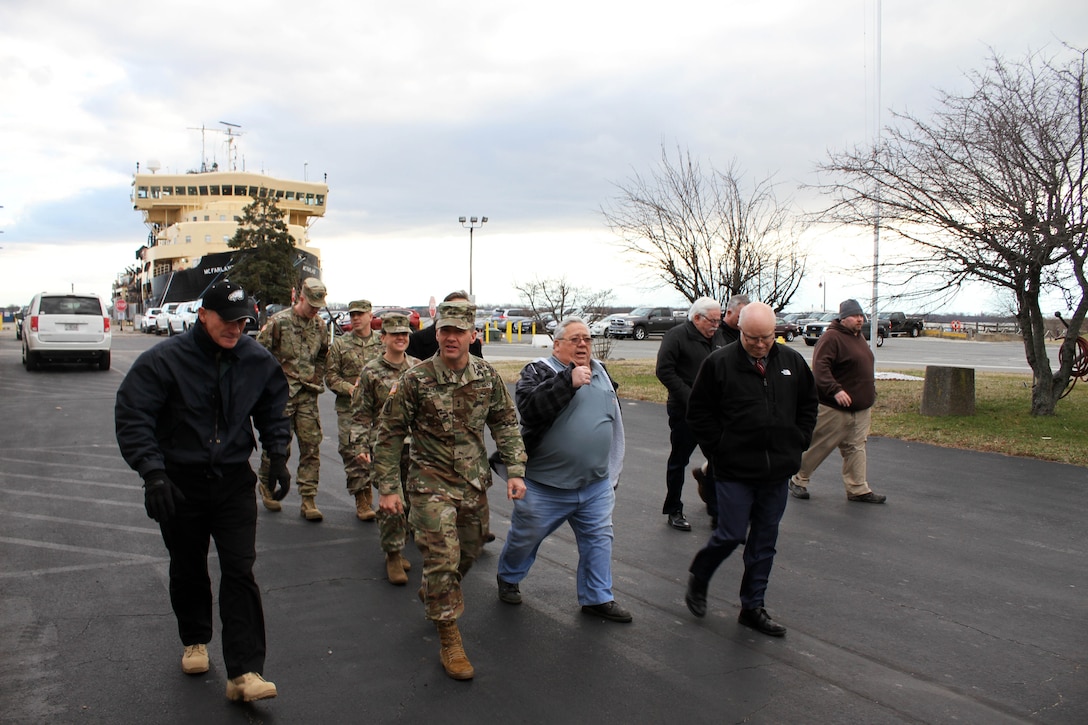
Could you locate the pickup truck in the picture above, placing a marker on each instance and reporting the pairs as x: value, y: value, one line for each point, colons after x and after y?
x: 900, y: 324
x: 642, y: 322
x: 815, y: 328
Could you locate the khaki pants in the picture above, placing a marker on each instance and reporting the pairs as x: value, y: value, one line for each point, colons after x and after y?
x: 843, y: 430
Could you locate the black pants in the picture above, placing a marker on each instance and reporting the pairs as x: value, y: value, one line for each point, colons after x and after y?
x: 682, y: 445
x: 224, y: 509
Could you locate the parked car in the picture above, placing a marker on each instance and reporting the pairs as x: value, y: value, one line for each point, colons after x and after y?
x: 19, y: 322
x: 600, y: 327
x: 149, y: 321
x: 786, y: 330
x: 500, y: 316
x: 168, y: 323
x: 186, y: 312
x: 66, y: 328
x: 900, y: 324
x: 642, y: 322
x: 376, y: 321
x: 814, y: 329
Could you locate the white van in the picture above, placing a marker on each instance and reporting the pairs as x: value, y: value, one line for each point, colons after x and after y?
x: 66, y: 328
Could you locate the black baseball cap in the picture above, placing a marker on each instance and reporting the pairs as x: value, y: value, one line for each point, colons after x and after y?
x: 229, y: 301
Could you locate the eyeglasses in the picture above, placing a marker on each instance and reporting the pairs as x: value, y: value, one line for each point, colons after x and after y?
x: 758, y: 338
x: 712, y: 320
x: 577, y: 340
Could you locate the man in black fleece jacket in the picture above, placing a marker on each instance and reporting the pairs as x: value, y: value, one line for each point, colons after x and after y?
x: 752, y: 410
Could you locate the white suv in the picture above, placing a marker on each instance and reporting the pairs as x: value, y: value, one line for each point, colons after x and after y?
x: 66, y: 328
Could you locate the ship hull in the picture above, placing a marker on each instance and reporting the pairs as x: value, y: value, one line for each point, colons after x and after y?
x: 191, y: 284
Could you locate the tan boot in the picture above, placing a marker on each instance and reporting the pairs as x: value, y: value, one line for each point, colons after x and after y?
x: 453, y: 652
x: 362, y: 505
x: 195, y: 659
x: 309, y: 509
x: 249, y: 687
x: 266, y: 497
x: 394, y: 569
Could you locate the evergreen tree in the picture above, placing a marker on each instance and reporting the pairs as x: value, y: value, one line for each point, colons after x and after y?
x: 264, y: 266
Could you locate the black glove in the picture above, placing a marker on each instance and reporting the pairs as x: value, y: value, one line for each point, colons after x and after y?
x: 159, y: 496
x: 279, y: 478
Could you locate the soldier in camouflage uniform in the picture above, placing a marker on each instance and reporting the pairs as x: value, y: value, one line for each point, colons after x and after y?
x: 298, y: 338
x: 375, y: 382
x: 347, y: 357
x: 444, y: 403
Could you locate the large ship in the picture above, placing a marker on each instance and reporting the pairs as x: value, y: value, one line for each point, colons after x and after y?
x: 192, y: 216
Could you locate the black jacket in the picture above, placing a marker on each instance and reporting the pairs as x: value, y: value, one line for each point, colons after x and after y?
x: 682, y: 351
x: 187, y: 402
x: 753, y: 427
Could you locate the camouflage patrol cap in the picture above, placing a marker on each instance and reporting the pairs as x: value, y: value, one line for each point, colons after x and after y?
x: 461, y: 315
x: 360, y: 306
x: 314, y: 291
x: 393, y: 322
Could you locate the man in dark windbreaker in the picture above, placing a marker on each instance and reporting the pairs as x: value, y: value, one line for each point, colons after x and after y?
x: 752, y: 410
x: 184, y: 419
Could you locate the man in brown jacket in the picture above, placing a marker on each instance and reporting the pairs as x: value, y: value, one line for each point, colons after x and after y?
x: 843, y: 366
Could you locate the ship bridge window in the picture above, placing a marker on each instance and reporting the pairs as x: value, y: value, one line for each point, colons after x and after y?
x: 214, y: 190
x: 239, y: 191
x: 166, y: 191
x: 291, y: 195
x: 321, y: 200
x: 309, y: 200
x: 179, y: 191
x: 237, y: 218
x: 208, y: 238
x: 141, y: 192
x: 222, y: 217
x: 188, y: 238
x: 253, y: 191
x: 192, y: 191
x: 207, y: 218
x: 279, y: 193
x: 203, y: 191
x: 264, y: 193
x: 226, y: 239
x: 155, y: 192
x: 227, y: 190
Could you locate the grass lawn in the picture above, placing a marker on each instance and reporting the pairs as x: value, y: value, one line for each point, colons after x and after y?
x: 1002, y: 422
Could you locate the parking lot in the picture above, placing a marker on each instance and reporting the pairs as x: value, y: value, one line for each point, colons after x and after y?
x: 961, y: 600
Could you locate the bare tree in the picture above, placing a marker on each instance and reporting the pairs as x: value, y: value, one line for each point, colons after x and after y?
x: 554, y: 299
x: 703, y: 234
x: 992, y: 188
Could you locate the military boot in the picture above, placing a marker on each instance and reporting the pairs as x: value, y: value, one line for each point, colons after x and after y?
x: 266, y: 497
x: 394, y: 568
x: 309, y: 509
x: 453, y: 652
x: 363, y: 500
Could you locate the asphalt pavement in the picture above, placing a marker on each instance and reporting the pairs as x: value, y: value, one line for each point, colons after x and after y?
x: 960, y: 600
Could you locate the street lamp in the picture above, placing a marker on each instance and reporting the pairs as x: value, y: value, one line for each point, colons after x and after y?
x: 473, y: 223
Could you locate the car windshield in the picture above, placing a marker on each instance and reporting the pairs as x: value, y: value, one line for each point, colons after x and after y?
x: 69, y: 306
x: 641, y: 311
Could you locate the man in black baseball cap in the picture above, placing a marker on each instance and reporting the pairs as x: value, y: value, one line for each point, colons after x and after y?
x: 229, y: 301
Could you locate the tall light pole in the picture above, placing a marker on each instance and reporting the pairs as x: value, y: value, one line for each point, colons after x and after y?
x: 473, y: 223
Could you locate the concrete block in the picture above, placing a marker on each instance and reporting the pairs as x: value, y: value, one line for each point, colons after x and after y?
x: 948, y: 391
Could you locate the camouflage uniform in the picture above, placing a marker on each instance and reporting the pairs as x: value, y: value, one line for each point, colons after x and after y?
x: 301, y: 346
x: 347, y: 357
x: 445, y: 413
x: 375, y: 382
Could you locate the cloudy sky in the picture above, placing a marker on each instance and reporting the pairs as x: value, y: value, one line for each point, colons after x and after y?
x: 423, y: 111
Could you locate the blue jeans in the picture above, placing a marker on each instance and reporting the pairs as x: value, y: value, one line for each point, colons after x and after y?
x: 588, y: 510
x: 749, y: 514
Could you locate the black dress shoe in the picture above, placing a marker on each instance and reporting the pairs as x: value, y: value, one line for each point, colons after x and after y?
x: 867, y: 497
x: 509, y: 592
x: 695, y: 596
x: 678, y: 521
x: 609, y: 610
x: 759, y: 620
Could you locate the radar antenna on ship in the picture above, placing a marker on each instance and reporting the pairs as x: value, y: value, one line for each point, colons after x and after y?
x: 232, y: 152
